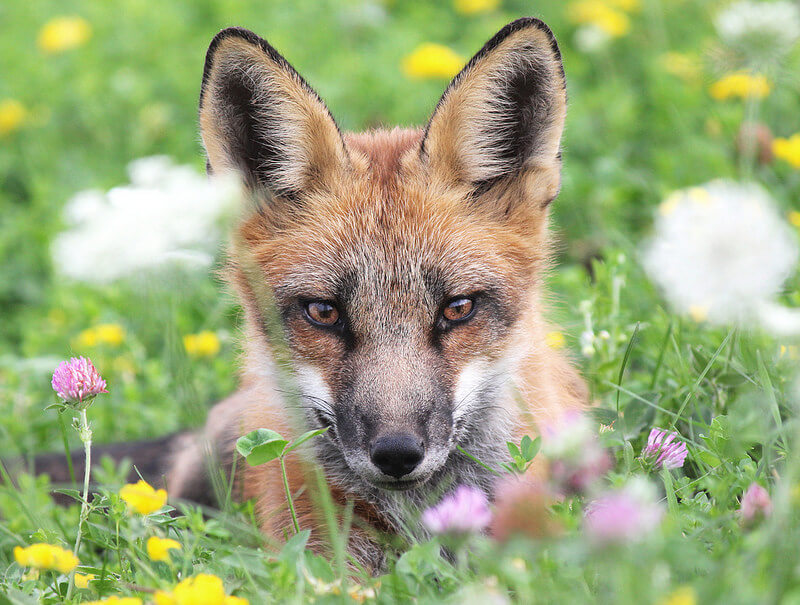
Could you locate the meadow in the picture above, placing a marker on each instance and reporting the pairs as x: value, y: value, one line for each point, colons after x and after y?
x: 675, y: 106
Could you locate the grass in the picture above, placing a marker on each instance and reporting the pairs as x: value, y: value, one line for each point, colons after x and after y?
x: 635, y: 132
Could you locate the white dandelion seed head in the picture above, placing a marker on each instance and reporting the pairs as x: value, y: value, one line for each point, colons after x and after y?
x: 761, y: 30
x: 167, y: 214
x: 720, y: 250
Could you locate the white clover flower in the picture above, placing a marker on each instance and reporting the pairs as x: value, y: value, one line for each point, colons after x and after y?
x: 761, y: 30
x: 591, y: 39
x: 586, y: 341
x: 720, y: 251
x: 167, y: 213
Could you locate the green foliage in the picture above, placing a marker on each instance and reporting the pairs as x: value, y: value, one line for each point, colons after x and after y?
x: 522, y: 455
x: 260, y: 446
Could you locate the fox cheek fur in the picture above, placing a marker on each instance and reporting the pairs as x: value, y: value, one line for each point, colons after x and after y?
x: 383, y: 231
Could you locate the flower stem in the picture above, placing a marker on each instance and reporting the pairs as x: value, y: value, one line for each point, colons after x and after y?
x: 86, y: 437
x: 289, y: 496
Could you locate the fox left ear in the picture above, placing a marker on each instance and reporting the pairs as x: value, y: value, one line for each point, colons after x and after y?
x: 502, y: 116
x: 260, y: 118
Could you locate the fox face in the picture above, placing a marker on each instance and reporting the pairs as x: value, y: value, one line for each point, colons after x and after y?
x: 405, y: 264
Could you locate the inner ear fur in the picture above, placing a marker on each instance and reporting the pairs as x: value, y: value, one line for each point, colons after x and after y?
x: 259, y: 117
x: 502, y: 116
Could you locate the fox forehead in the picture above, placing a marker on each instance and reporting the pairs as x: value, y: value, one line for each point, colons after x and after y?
x: 384, y: 226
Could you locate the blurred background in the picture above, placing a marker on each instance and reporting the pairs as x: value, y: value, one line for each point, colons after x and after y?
x: 663, y: 94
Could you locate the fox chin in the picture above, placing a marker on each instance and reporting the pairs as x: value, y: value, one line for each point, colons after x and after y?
x: 406, y: 267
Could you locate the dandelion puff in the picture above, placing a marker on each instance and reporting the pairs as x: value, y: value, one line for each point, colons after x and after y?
x: 168, y: 214
x: 760, y: 30
x: 720, y: 251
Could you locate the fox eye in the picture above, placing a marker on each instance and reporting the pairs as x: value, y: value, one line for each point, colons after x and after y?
x: 321, y: 313
x: 459, y: 309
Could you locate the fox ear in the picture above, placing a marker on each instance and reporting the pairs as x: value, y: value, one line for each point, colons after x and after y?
x: 502, y: 116
x: 258, y: 116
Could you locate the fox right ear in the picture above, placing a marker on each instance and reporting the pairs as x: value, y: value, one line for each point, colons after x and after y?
x: 502, y: 116
x: 259, y: 117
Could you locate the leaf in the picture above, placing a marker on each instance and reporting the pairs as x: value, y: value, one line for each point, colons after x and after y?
x: 303, y: 438
x: 530, y: 447
x: 72, y: 493
x: 513, y: 449
x: 603, y: 415
x: 260, y: 446
x: 295, y: 545
x: 709, y: 458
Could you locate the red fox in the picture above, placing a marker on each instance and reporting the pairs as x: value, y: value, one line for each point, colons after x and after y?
x: 407, y: 267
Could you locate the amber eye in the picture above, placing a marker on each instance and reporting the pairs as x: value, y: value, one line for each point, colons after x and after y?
x: 322, y: 313
x: 459, y: 309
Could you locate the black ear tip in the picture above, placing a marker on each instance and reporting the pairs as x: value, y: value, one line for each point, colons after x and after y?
x: 233, y: 32
x: 530, y: 22
x: 524, y: 22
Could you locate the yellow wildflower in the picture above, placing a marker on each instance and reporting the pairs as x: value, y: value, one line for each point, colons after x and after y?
x: 46, y: 556
x: 555, y: 340
x: 681, y: 65
x: 519, y: 564
x: 794, y: 218
x: 203, y: 344
x: 12, y: 115
x: 142, y: 498
x: 82, y: 580
x: 625, y: 5
x: 473, y: 7
x: 105, y: 334
x: 360, y: 594
x: 682, y: 596
x: 63, y: 33
x: 202, y: 588
x: 788, y: 149
x: 792, y: 351
x: 600, y: 14
x: 115, y: 600
x: 740, y: 84
x: 698, y: 312
x: 163, y: 598
x: 158, y: 548
x: 431, y: 60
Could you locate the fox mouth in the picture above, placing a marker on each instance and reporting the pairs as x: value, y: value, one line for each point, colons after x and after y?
x: 399, y: 485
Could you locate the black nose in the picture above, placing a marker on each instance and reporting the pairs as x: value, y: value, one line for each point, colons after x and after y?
x: 397, y: 454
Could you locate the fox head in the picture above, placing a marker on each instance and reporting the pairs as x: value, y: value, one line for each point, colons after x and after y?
x: 405, y: 264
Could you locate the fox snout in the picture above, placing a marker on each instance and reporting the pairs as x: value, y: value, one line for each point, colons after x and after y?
x: 397, y: 454
x: 394, y: 436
